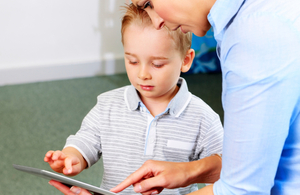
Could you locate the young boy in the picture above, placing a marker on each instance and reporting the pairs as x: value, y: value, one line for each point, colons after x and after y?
x: 154, y: 118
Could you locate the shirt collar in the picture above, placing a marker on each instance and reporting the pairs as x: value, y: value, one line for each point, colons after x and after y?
x: 222, y: 12
x: 176, y: 105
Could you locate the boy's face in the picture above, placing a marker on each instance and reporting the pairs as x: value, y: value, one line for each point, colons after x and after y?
x: 152, y: 63
x: 188, y: 15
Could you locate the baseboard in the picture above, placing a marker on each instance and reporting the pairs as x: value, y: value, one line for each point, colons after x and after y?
x: 60, y: 72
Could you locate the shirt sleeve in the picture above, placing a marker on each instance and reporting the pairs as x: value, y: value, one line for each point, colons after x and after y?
x: 260, y: 90
x: 87, y: 140
x: 213, y: 140
x: 210, y: 140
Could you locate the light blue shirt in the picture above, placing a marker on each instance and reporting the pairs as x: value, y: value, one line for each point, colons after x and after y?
x: 259, y: 51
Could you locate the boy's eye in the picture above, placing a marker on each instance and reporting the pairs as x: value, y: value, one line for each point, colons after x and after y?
x: 158, y: 65
x: 130, y: 62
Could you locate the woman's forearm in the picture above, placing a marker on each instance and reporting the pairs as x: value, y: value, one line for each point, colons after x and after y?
x: 206, y: 170
x: 207, y: 190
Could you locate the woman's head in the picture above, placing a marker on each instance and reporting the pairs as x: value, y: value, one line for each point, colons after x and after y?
x: 188, y: 15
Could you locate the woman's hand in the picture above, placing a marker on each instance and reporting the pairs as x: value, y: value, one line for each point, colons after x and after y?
x: 154, y: 176
x: 69, y: 191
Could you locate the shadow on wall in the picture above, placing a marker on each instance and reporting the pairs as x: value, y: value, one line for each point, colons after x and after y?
x: 107, y: 28
x: 59, y: 40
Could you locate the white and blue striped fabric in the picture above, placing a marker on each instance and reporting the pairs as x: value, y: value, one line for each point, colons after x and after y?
x: 121, y: 130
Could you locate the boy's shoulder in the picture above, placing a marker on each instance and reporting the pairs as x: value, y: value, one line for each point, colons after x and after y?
x: 114, y: 93
x: 199, y: 102
x: 199, y: 106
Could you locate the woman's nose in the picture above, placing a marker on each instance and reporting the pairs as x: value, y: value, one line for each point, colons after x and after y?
x: 157, y: 21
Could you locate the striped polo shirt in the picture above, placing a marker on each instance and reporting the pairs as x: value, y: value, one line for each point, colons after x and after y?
x: 121, y: 130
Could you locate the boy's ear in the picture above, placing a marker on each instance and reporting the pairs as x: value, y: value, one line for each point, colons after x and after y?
x: 188, y: 60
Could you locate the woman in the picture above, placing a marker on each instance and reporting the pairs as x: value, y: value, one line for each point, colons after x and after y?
x: 259, y: 51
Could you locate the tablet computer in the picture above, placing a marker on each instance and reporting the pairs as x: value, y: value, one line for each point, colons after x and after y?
x: 63, y: 179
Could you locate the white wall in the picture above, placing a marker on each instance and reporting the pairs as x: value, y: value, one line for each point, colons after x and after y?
x: 43, y: 40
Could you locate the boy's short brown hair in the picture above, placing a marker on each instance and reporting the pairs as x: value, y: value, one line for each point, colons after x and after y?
x: 140, y: 17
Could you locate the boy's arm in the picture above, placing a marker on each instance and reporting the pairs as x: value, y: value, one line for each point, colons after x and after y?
x: 156, y: 175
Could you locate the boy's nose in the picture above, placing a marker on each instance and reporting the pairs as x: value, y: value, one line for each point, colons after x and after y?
x: 144, y: 74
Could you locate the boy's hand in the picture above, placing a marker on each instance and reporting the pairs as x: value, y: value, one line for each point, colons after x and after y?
x: 60, y: 162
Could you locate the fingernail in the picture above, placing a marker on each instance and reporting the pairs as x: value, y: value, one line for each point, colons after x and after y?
x: 75, y: 190
x: 137, y: 188
x: 155, y: 192
x: 50, y: 183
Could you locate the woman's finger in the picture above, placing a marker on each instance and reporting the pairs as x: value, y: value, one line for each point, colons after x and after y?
x: 61, y: 187
x: 135, y: 177
x: 69, y: 191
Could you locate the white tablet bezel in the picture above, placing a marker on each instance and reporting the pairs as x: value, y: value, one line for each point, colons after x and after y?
x: 63, y: 179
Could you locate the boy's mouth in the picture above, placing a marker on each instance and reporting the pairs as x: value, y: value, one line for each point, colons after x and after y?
x: 147, y: 87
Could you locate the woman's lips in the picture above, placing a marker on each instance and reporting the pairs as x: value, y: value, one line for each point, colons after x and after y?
x: 182, y: 30
x: 147, y: 87
x: 176, y: 27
